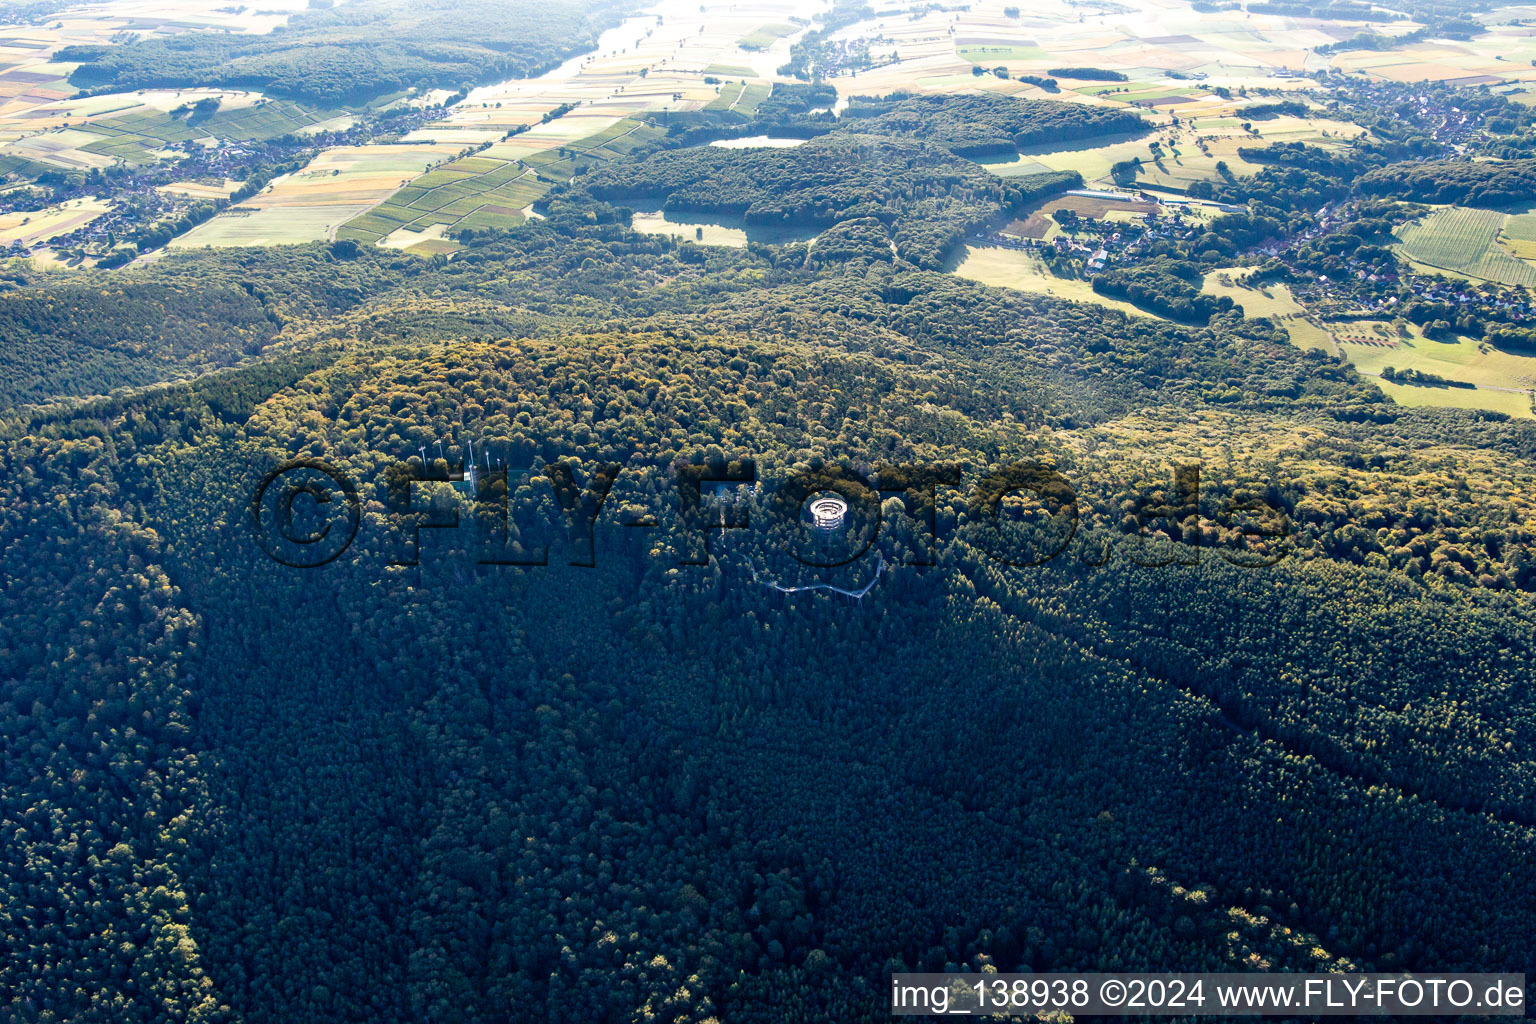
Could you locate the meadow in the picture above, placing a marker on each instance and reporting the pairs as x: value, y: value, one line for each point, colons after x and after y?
x: 1461, y: 359
x: 1511, y: 403
x: 1273, y: 300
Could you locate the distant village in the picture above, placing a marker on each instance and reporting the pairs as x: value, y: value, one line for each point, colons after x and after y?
x: 144, y: 195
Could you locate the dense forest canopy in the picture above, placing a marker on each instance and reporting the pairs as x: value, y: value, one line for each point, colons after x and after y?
x: 1482, y: 183
x: 1153, y: 642
x: 976, y: 126
x: 646, y: 796
x: 925, y: 197
x: 359, y: 50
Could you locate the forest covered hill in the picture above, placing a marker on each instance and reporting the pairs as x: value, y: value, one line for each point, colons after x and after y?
x: 357, y: 51
x: 367, y: 790
x: 561, y: 740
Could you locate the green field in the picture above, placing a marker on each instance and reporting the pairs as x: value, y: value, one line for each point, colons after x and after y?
x: 1467, y: 241
x: 135, y: 138
x: 483, y: 191
x: 742, y: 97
x: 766, y: 36
x: 987, y: 56
x: 1508, y: 402
x: 1463, y: 359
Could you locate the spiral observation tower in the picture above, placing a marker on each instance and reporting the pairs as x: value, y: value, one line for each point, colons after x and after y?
x: 828, y: 513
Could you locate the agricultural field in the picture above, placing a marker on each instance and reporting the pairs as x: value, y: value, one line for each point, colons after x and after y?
x: 494, y: 188
x: 529, y: 133
x: 33, y: 228
x: 545, y: 130
x: 1482, y: 244
x: 62, y: 148
x: 742, y: 96
x: 646, y: 66
x: 1500, y: 379
x: 34, y: 90
x: 475, y: 190
x: 202, y: 189
x: 310, y: 205
x: 767, y: 35
x: 1038, y: 222
x: 249, y: 117
x: 1019, y: 269
x: 1143, y: 39
x: 1190, y: 150
x: 991, y: 56
x: 1503, y: 55
x: 141, y: 127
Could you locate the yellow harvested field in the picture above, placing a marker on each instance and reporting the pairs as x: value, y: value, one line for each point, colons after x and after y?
x: 1024, y: 271
x: 201, y: 189
x: 32, y: 228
